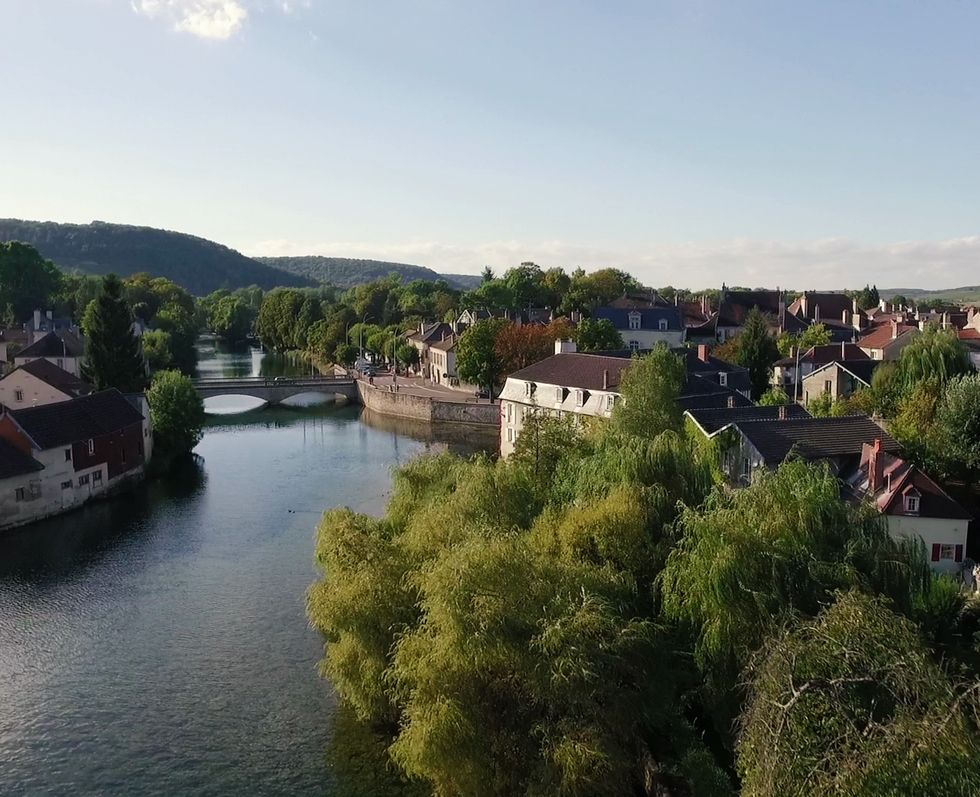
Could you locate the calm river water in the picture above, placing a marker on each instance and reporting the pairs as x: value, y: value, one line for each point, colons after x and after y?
x: 157, y: 644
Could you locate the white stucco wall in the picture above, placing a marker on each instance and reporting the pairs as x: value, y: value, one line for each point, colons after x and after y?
x: 932, y: 531
x: 36, y: 392
x: 649, y: 338
x: 70, y: 364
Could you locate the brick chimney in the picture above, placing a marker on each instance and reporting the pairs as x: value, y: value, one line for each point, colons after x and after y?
x: 605, y: 379
x: 894, y: 329
x: 782, y: 412
x: 703, y: 352
x: 874, y: 467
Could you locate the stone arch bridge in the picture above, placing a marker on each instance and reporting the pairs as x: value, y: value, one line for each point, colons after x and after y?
x: 277, y: 389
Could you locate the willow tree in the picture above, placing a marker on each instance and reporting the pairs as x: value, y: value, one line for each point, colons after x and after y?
x: 935, y: 354
x: 852, y: 705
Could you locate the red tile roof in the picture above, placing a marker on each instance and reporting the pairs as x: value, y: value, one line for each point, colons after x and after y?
x: 881, y: 336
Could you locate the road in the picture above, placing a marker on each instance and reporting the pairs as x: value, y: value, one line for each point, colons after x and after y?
x: 415, y: 386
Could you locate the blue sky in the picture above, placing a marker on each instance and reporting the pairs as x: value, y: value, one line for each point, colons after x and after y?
x: 804, y: 144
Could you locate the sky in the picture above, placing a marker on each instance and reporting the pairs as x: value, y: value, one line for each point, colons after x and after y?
x: 805, y: 145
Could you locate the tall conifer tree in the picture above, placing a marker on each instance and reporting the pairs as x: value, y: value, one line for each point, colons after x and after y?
x: 113, y: 355
x: 757, y: 351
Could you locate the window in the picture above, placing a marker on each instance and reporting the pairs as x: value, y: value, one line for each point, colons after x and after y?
x: 66, y: 485
x: 510, y: 412
x: 529, y: 388
x: 746, y: 467
x: 35, y: 489
x: 947, y: 552
x: 510, y: 435
x: 634, y: 345
x: 61, y: 363
x: 723, y: 379
x: 18, y: 395
x: 727, y: 461
x: 82, y: 480
x: 634, y: 320
x: 911, y: 505
x: 91, y: 447
x: 579, y: 398
x: 19, y: 494
x: 828, y: 386
x: 610, y: 403
x: 559, y: 395
x: 97, y: 477
x: 146, y: 432
x: 67, y: 455
x: 663, y: 324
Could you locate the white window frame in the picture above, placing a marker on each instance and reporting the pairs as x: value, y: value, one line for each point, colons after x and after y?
x: 510, y: 435
x: 610, y: 402
x: 97, y: 476
x: 18, y: 395
x: 723, y: 379
x: 83, y: 480
x: 663, y: 324
x: 91, y: 446
x: 911, y: 505
x: 559, y: 397
x: 579, y: 398
x: 947, y: 552
x: 635, y: 320
x: 634, y: 345
x: 19, y: 494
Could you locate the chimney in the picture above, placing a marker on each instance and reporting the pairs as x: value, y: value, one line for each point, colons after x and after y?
x: 803, y: 303
x: 565, y: 347
x: 50, y: 315
x: 703, y: 352
x: 706, y: 305
x: 605, y: 379
x: 782, y: 412
x: 945, y: 320
x: 816, y: 314
x: 843, y: 350
x: 731, y: 402
x: 874, y: 473
x: 845, y: 318
x: 37, y: 320
x: 894, y: 329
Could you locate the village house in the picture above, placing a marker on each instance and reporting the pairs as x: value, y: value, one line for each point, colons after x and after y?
x: 838, y: 379
x: 767, y: 443
x: 40, y: 382
x: 886, y: 341
x: 442, y: 358
x: 587, y: 385
x: 712, y: 421
x: 69, y: 453
x: 423, y: 338
x: 785, y: 370
x: 40, y: 324
x: 643, y: 323
x: 971, y: 339
x: 838, y: 312
x: 914, y: 505
x: 60, y: 347
x: 735, y: 306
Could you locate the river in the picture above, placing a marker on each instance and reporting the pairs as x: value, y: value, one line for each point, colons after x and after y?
x: 157, y: 644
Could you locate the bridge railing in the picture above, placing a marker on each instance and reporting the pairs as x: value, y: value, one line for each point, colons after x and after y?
x: 263, y: 381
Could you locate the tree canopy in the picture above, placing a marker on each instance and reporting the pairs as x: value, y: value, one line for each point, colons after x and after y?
x: 113, y: 355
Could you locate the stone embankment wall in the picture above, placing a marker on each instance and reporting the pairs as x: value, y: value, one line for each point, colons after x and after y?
x: 421, y: 408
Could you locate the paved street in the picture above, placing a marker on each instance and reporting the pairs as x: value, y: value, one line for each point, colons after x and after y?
x: 415, y: 386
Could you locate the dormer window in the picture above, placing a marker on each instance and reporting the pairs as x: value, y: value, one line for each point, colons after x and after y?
x: 663, y: 324
x: 635, y: 320
x: 723, y: 379
x: 529, y: 389
x: 559, y: 395
x: 911, y: 504
x: 610, y: 403
x: 579, y: 398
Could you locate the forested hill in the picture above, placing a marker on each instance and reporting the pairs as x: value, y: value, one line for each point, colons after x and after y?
x: 347, y: 272
x: 199, y: 265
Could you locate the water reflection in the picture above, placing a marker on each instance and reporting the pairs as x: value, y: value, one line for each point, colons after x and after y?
x: 457, y: 438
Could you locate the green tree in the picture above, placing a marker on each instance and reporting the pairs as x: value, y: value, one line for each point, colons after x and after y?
x: 177, y: 411
x: 957, y: 427
x: 181, y: 323
x: 935, y: 354
x: 156, y: 349
x: 649, y: 389
x: 598, y: 335
x: 822, y: 406
x: 345, y: 355
x: 774, y: 397
x: 757, y: 351
x: 28, y: 282
x: 113, y: 356
x: 477, y: 360
x: 852, y: 705
x: 232, y: 319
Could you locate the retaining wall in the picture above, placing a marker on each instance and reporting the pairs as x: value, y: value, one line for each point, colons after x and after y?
x: 421, y: 408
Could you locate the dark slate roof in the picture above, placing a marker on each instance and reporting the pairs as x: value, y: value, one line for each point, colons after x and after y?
x: 834, y: 352
x: 737, y: 305
x: 650, y: 317
x: 713, y: 420
x: 60, y: 343
x: 58, y: 378
x: 832, y: 306
x: 814, y: 438
x: 67, y: 422
x: 14, y: 462
x: 717, y: 400
x: 579, y: 370
x: 428, y: 334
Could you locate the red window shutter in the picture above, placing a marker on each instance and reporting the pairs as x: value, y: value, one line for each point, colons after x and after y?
x: 935, y: 552
x: 959, y: 553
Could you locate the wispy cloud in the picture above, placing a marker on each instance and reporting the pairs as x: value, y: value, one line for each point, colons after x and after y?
x: 208, y: 19
x: 827, y: 264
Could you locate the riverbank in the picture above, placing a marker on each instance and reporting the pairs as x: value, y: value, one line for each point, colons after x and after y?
x: 401, y: 401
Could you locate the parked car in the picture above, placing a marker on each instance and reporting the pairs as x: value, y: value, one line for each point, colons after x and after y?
x: 484, y: 394
x: 369, y: 370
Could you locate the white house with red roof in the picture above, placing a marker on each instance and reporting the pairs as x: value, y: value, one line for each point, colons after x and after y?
x: 914, y: 505
x: 887, y: 340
